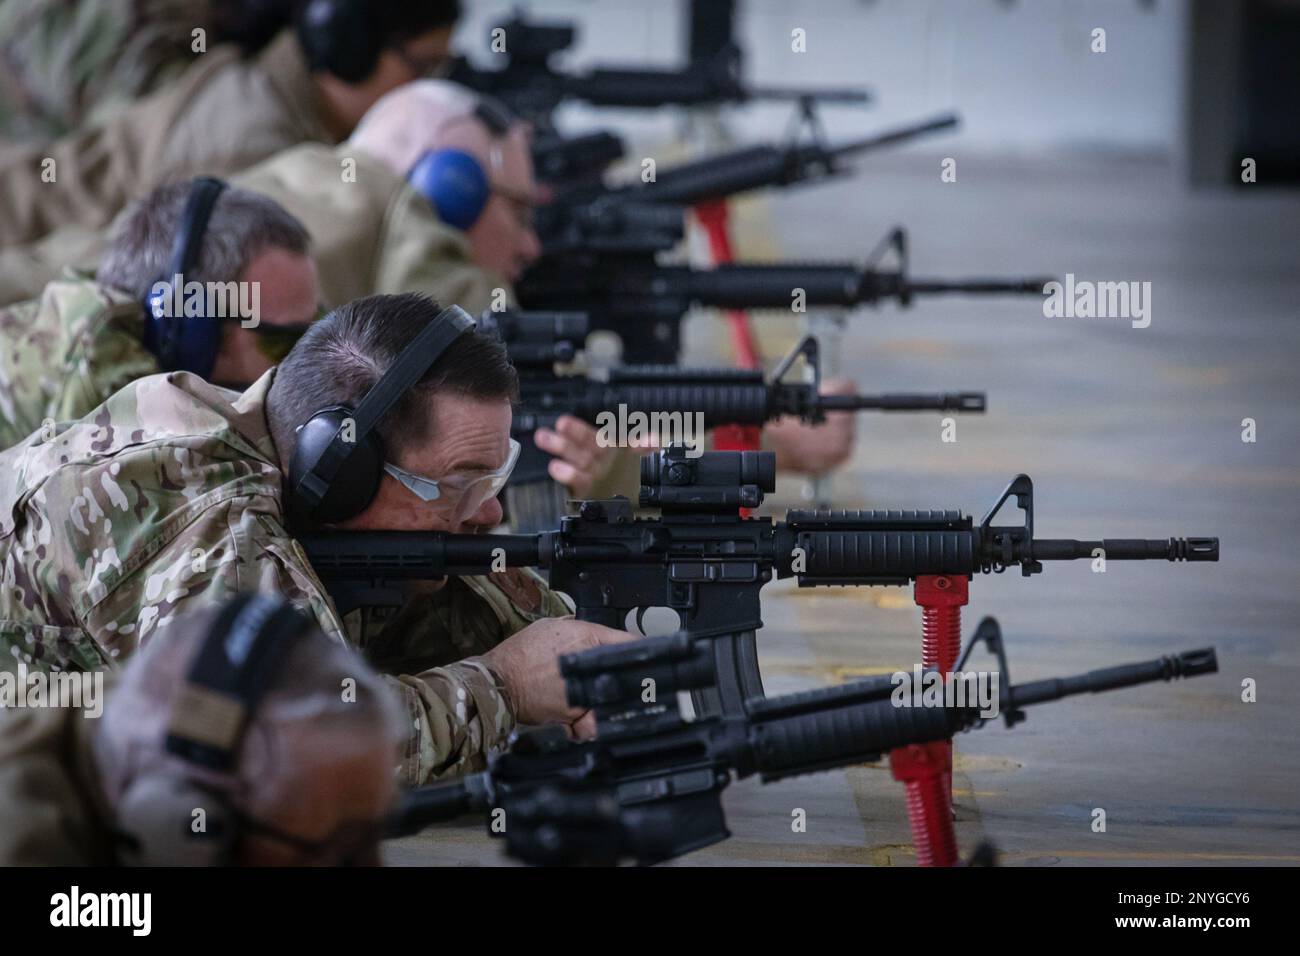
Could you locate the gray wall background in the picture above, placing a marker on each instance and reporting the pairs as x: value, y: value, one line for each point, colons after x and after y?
x: 1022, y: 74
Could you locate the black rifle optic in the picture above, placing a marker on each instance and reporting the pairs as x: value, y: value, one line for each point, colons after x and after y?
x: 538, y: 342
x: 648, y: 787
x: 620, y: 285
x: 751, y: 167
x: 533, y: 88
x: 604, y: 226
x: 574, y: 162
x: 707, y: 563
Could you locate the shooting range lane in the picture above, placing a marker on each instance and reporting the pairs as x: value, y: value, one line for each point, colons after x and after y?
x: 1127, y: 433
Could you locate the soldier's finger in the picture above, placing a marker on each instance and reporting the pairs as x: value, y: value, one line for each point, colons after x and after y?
x: 584, y: 728
x: 575, y: 429
x: 567, y: 475
x: 582, y: 441
x: 563, y: 447
x: 600, y: 634
x: 548, y: 440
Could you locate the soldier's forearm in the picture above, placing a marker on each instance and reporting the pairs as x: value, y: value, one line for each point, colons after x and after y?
x: 459, y: 714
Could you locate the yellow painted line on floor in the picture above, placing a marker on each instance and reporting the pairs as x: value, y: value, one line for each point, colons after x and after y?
x: 891, y: 599
x: 1188, y: 375
x: 883, y: 854
x: 834, y: 854
x: 1158, y: 855
x: 878, y: 855
x: 841, y: 674
x: 911, y: 347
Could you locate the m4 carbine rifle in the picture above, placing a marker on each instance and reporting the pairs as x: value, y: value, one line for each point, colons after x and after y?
x: 648, y: 787
x: 706, y: 562
x: 533, y: 88
x: 539, y: 342
x: 617, y: 281
x: 764, y: 166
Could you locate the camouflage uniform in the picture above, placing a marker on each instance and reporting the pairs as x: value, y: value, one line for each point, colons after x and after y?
x: 65, y: 353
x: 370, y: 234
x: 67, y: 63
x: 168, y: 498
x: 223, y: 115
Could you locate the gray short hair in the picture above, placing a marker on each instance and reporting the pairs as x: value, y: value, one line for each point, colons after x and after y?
x: 243, y: 224
x: 343, y: 355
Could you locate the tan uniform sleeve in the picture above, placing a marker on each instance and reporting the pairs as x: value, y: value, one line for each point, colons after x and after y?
x: 420, y: 254
x: 45, y: 819
x: 82, y: 180
x: 222, y: 116
x: 27, y: 269
x: 87, y: 177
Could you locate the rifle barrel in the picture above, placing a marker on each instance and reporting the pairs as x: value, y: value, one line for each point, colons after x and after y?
x: 936, y: 124
x: 1186, y: 664
x: 888, y: 547
x: 978, y: 286
x: 906, y: 402
x: 759, y: 167
x: 789, y: 740
x: 1127, y: 549
x: 422, y: 806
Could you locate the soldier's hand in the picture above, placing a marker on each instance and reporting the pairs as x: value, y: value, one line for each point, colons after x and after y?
x: 813, y: 449
x: 580, y: 461
x: 528, y: 665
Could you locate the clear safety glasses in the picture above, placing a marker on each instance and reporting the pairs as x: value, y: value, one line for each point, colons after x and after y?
x: 464, y: 493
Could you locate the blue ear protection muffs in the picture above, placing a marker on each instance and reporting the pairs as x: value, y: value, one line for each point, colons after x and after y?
x: 184, y: 343
x: 240, y: 657
x: 338, y: 37
x: 453, y: 181
x: 335, y: 470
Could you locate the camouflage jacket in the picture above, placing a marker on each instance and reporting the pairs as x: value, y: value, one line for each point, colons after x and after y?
x: 167, y: 498
x: 222, y: 115
x: 67, y: 63
x: 371, y: 234
x: 65, y: 353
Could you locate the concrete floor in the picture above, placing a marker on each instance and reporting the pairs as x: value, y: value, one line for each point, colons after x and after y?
x: 1126, y: 433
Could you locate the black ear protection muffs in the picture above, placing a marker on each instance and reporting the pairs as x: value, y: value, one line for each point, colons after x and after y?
x: 184, y: 343
x: 339, y: 37
x: 338, y: 460
x: 454, y: 181
x: 240, y: 657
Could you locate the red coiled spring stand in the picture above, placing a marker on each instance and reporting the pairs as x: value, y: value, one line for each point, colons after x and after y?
x: 926, y: 769
x: 712, y: 217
